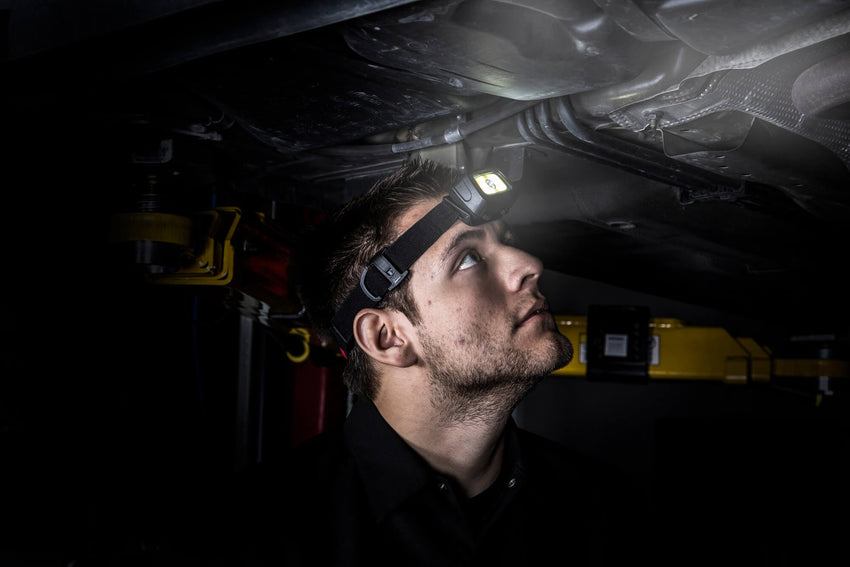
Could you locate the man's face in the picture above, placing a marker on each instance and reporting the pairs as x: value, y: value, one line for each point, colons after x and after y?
x: 485, y: 326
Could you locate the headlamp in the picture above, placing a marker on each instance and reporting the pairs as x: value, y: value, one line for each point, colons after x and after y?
x: 475, y: 199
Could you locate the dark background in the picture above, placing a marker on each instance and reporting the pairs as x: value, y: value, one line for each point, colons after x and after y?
x: 130, y: 412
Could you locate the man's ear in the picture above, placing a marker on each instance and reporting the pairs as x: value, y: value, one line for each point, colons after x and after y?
x: 383, y: 335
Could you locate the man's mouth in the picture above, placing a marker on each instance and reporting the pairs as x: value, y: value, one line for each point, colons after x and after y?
x: 541, y: 308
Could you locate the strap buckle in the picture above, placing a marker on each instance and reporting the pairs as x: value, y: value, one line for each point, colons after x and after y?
x: 387, y: 269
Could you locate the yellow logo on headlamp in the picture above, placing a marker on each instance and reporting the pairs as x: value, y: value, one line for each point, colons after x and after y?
x: 490, y: 183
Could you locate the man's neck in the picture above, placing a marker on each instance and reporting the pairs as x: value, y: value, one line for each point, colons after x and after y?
x: 467, y: 450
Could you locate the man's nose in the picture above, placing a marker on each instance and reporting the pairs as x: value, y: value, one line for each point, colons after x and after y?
x: 521, y: 269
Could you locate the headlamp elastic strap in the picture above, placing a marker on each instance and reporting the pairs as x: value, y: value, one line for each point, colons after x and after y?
x: 390, y: 267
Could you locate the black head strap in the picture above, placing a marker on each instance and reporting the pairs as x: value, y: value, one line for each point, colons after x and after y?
x: 390, y: 266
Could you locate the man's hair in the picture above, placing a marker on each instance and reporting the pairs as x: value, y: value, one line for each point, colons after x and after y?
x: 330, y: 261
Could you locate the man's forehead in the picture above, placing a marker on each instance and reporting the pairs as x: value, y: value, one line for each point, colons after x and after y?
x: 460, y: 232
x: 456, y: 235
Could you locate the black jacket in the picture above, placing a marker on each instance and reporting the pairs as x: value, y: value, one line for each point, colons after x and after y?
x: 360, y: 495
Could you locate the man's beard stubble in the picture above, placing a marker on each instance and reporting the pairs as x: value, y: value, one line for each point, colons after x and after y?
x: 486, y: 388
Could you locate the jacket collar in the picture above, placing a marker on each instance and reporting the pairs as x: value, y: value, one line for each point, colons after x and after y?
x: 392, y: 472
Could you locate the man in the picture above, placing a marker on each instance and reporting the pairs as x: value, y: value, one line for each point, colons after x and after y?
x: 429, y: 468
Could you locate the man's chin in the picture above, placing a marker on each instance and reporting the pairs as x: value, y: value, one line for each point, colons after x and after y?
x: 563, y: 352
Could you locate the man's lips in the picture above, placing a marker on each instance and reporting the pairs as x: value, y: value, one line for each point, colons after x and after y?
x: 541, y: 308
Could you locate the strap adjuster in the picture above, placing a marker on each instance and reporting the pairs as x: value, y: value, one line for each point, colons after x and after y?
x: 387, y: 269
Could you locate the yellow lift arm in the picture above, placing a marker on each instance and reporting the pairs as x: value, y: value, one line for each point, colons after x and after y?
x: 681, y: 352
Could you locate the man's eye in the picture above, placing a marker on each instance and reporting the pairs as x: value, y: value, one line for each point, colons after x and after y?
x: 469, y: 260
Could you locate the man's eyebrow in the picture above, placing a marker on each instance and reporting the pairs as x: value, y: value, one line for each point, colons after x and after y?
x: 460, y: 239
x: 466, y: 236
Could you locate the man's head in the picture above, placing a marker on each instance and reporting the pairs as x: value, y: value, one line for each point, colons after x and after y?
x: 471, y: 296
